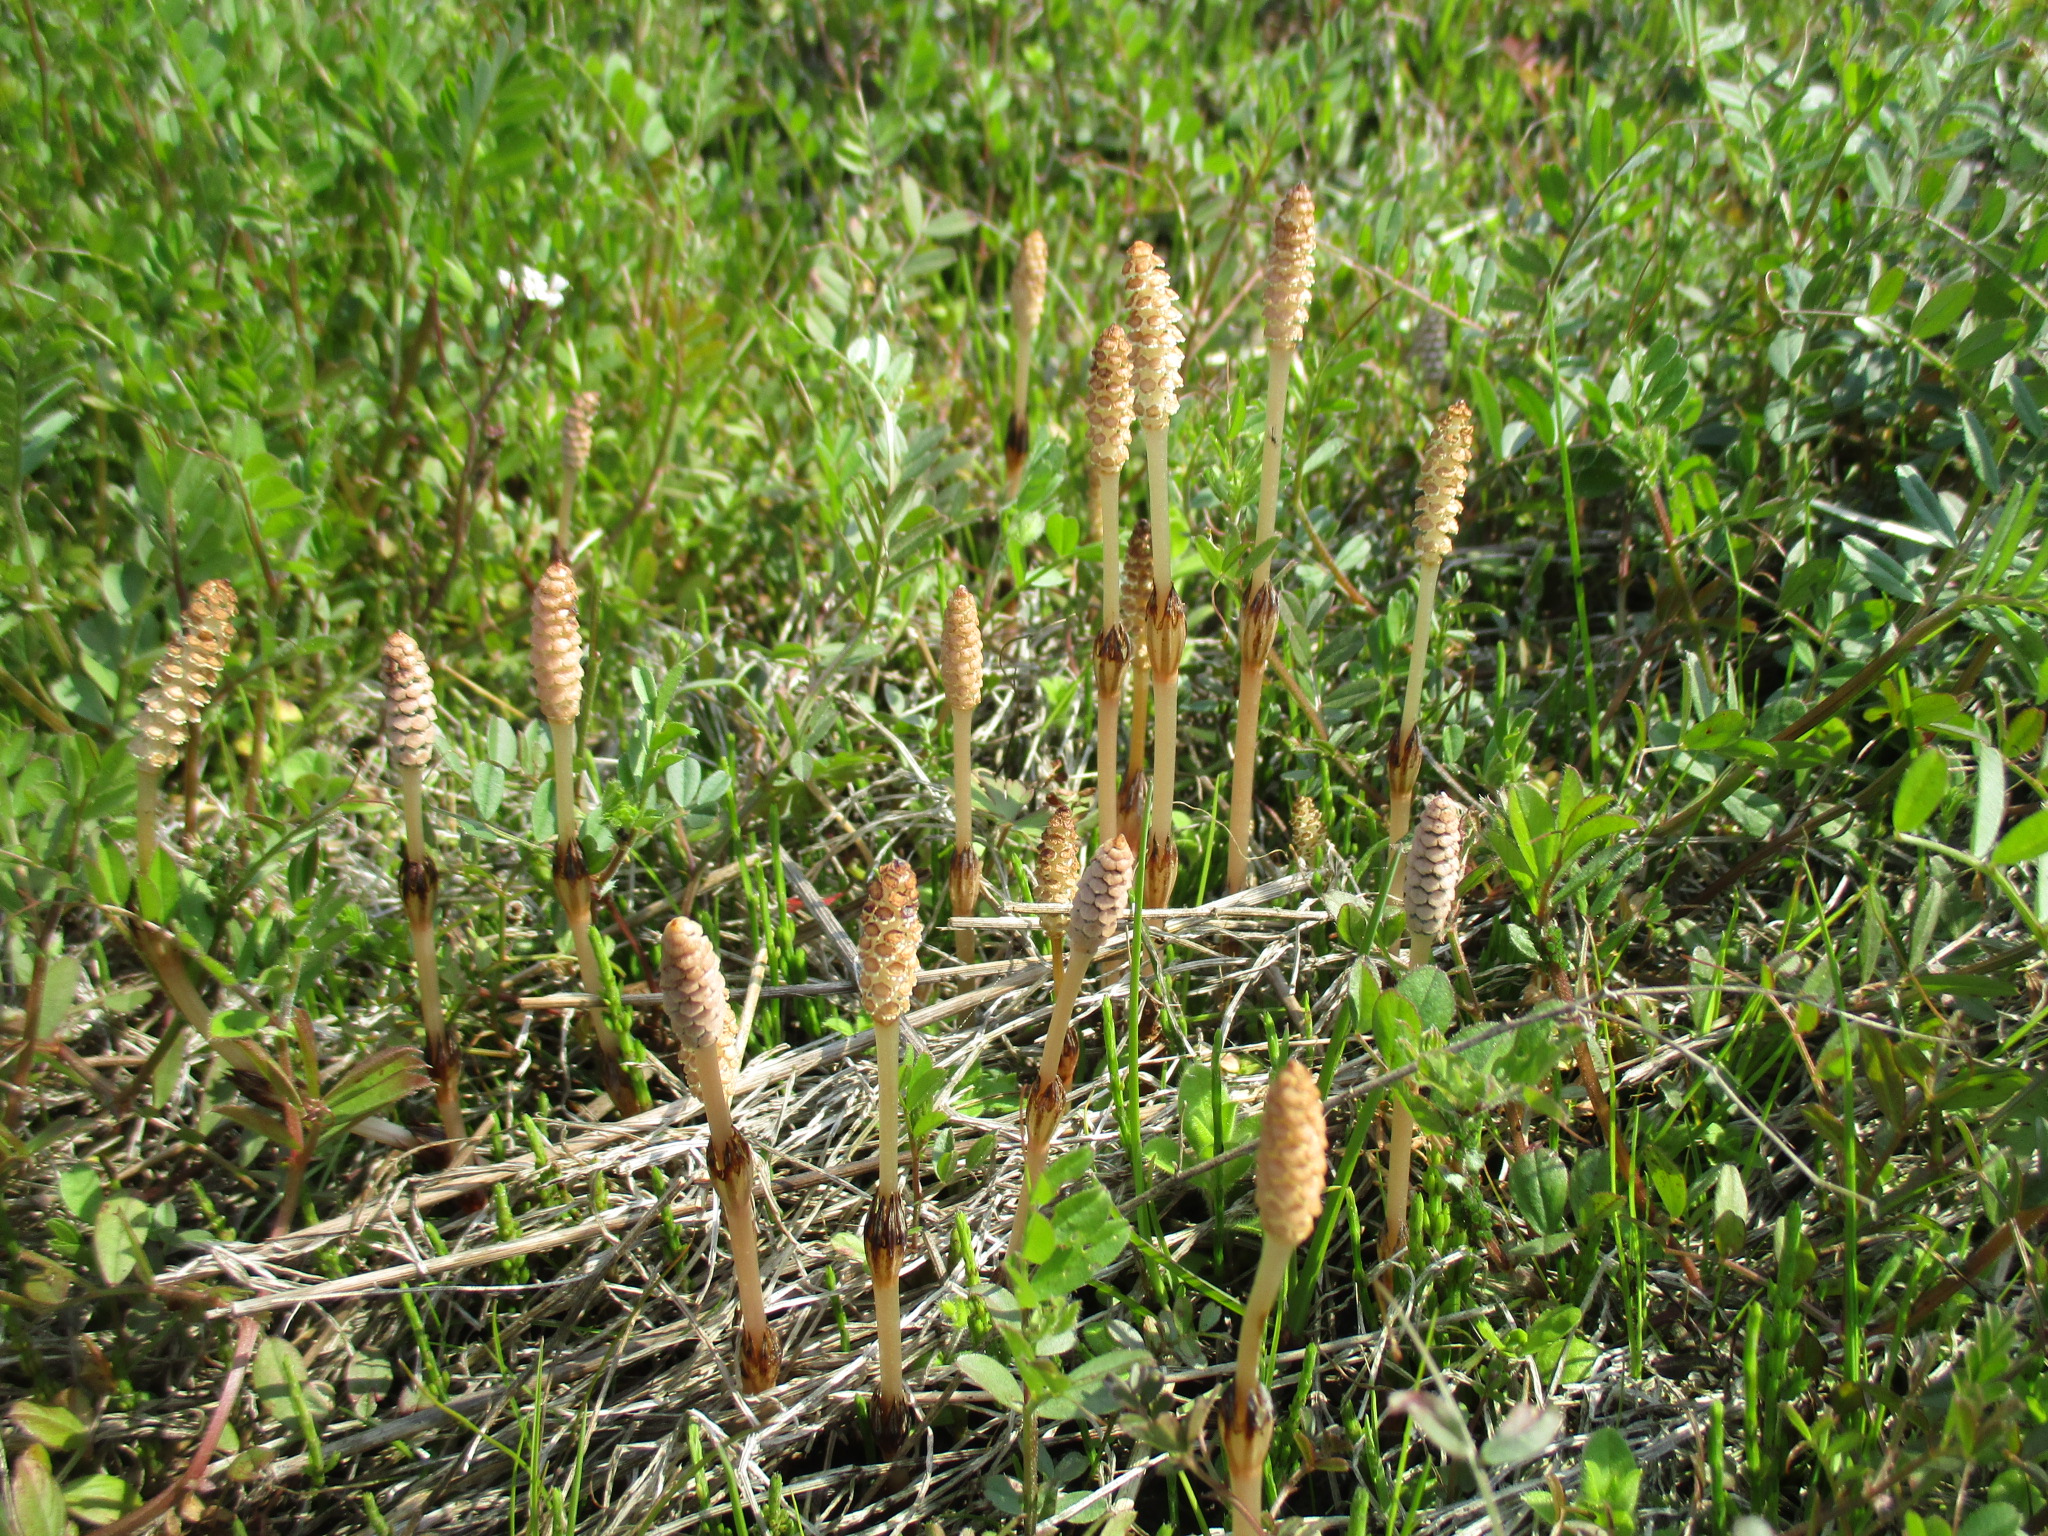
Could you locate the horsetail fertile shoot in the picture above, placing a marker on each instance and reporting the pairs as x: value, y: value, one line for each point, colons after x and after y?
x: 410, y: 733
x: 557, y: 642
x: 1290, y: 275
x: 700, y: 1016
x: 1100, y: 899
x: 1444, y: 465
x: 1110, y: 411
x: 180, y: 687
x: 960, y: 668
x: 1436, y: 859
x: 889, y: 931
x: 1057, y: 876
x: 577, y: 422
x: 1155, y: 366
x: 1293, y: 1166
x: 1027, y: 307
x: 1137, y: 616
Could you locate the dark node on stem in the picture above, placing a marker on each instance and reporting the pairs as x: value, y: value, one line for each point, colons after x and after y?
x: 760, y: 1361
x: 1405, y: 761
x: 572, y: 882
x: 1112, y: 655
x: 1070, y: 1057
x: 885, y: 1237
x: 1240, y: 1419
x: 256, y: 1088
x: 1261, y: 624
x: 1017, y: 442
x: 1148, y: 1022
x: 730, y: 1162
x: 890, y: 1420
x: 1130, y: 806
x: 1043, y: 1108
x: 443, y: 1056
x: 1162, y: 868
x: 418, y: 880
x: 963, y: 881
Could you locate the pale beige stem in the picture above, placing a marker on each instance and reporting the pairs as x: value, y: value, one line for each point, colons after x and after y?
x: 568, y: 821
x: 1105, y: 488
x: 1165, y: 740
x: 1279, y: 364
x: 564, y: 514
x: 149, y: 783
x: 418, y: 880
x: 1251, y: 683
x: 573, y: 891
x: 1258, y: 1307
x: 889, y: 1073
x: 1160, y: 498
x: 735, y: 1196
x: 1107, y: 707
x: 963, y: 822
x: 1141, y: 698
x: 1407, y: 761
x: 1038, y: 1128
x: 1400, y: 1160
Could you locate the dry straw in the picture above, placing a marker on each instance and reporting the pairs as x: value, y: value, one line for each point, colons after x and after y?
x: 1293, y: 1165
x: 1436, y: 860
x: 1100, y: 901
x: 889, y: 932
x: 1156, y: 337
x: 409, y: 738
x: 1444, y: 466
x: 1290, y: 278
x: 960, y: 669
x: 557, y: 651
x: 1027, y: 307
x: 700, y: 1016
x: 577, y: 423
x: 1111, y: 408
x: 180, y: 687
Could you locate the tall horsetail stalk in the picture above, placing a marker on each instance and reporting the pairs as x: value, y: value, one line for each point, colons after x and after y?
x: 409, y: 736
x: 1155, y: 364
x: 889, y: 930
x: 700, y: 1016
x: 1056, y: 876
x: 557, y: 642
x: 577, y: 422
x: 1444, y: 465
x: 960, y: 669
x: 1290, y: 275
x: 1436, y: 859
x: 181, y: 686
x: 1137, y: 609
x: 1099, y: 900
x: 1110, y: 410
x: 1027, y: 307
x: 1293, y: 1165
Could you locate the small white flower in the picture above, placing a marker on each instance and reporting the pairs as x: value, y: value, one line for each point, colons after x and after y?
x: 542, y: 288
x: 534, y: 286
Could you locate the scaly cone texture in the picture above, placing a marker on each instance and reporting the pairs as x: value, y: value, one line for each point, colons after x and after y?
x: 1111, y: 409
x: 409, y: 728
x: 889, y: 930
x: 182, y: 682
x: 557, y: 646
x: 1057, y: 874
x: 577, y: 422
x: 1027, y: 307
x: 409, y: 735
x: 1436, y: 861
x: 1156, y: 337
x: 1291, y: 267
x: 960, y: 668
x: 700, y: 1016
x: 180, y: 687
x: 1445, y: 463
x: 1102, y: 897
x: 1306, y: 833
x: 1293, y: 1166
